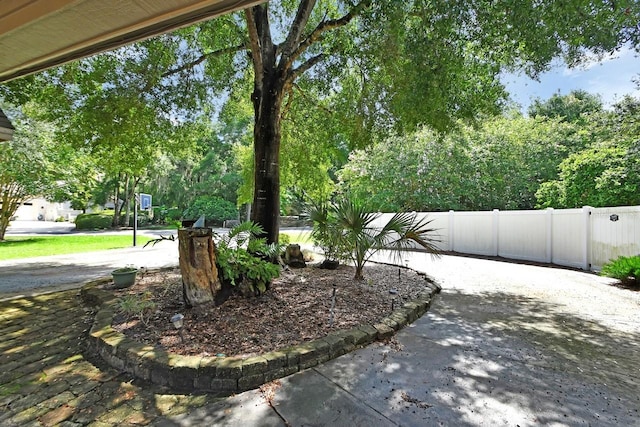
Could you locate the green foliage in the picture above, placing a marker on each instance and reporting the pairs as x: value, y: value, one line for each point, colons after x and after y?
x: 214, y: 208
x: 353, y: 230
x: 126, y: 269
x: 93, y: 221
x: 326, y: 232
x: 284, y: 239
x: 594, y: 177
x: 607, y: 171
x: 30, y: 164
x: 498, y: 164
x: 570, y: 108
x: 165, y: 215
x: 139, y: 306
x: 239, y: 257
x: 143, y: 219
x: 118, y: 111
x: 625, y: 269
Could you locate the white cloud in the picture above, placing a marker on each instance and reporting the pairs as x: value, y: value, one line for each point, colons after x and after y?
x: 592, y: 60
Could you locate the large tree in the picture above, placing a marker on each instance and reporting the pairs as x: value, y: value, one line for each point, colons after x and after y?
x: 122, y: 110
x: 385, y: 64
x: 30, y: 164
x: 573, y: 107
x: 497, y: 165
x: 605, y: 173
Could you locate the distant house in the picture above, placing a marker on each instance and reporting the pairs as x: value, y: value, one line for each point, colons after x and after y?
x: 42, y: 210
x: 6, y: 128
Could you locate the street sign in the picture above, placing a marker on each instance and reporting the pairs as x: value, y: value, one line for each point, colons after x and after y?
x: 145, y: 201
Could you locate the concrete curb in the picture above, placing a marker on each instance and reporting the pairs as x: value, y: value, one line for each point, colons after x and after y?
x: 229, y: 375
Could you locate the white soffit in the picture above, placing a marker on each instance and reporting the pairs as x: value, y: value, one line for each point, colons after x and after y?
x: 39, y: 34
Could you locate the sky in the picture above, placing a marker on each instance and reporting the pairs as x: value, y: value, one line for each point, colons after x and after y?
x: 611, y: 78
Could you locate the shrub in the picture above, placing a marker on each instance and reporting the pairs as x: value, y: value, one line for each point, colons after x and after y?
x: 93, y: 221
x: 349, y: 229
x: 284, y: 239
x: 143, y: 218
x: 166, y: 215
x: 326, y: 233
x: 625, y: 269
x: 215, y: 209
x: 239, y: 257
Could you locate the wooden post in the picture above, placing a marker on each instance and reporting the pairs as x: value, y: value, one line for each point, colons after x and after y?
x: 200, y: 281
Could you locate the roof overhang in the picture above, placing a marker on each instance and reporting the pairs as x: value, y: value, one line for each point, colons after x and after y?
x: 39, y: 34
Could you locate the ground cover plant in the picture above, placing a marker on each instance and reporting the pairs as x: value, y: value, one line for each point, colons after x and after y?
x: 625, y: 269
x: 28, y: 247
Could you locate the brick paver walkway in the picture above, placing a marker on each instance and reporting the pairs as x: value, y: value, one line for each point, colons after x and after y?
x: 47, y: 376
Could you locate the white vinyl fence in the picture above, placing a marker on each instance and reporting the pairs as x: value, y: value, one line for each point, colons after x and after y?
x: 583, y: 238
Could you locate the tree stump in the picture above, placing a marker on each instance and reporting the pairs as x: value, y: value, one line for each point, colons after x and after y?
x: 200, y: 281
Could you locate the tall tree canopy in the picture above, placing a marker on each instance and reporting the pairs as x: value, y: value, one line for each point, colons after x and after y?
x: 438, y: 61
x: 31, y: 164
x: 121, y: 108
x: 607, y: 171
x: 497, y: 165
x: 572, y: 107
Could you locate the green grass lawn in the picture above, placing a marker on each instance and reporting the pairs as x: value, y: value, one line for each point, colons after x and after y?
x: 27, y: 247
x: 299, y: 236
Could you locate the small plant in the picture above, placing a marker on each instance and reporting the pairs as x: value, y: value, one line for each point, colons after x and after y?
x: 625, y: 269
x: 126, y: 269
x: 242, y: 256
x: 348, y: 229
x: 139, y: 306
x: 327, y: 233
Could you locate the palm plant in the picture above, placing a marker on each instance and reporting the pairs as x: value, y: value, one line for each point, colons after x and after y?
x: 353, y: 229
x: 326, y: 233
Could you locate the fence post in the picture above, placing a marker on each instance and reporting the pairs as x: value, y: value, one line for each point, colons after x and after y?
x: 451, y: 237
x: 586, y: 247
x: 496, y: 234
x: 550, y: 235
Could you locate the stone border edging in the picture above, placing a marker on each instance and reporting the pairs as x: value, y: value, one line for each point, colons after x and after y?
x: 233, y: 374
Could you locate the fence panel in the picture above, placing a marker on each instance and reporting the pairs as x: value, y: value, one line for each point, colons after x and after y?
x: 524, y: 235
x: 614, y: 232
x: 474, y: 233
x: 568, y: 234
x: 583, y: 238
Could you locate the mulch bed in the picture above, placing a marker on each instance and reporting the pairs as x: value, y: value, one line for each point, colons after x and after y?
x: 296, y: 308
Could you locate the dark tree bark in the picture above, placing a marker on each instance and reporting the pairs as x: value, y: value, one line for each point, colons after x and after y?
x: 274, y: 74
x: 268, y: 92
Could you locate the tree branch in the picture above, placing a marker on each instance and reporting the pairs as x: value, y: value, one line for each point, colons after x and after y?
x: 293, y: 74
x: 325, y: 26
x: 203, y: 58
x: 297, y: 27
x: 317, y: 104
x: 254, y: 41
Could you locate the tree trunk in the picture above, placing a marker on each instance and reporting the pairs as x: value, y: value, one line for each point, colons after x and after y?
x: 267, y: 101
x: 200, y: 281
x: 116, y: 204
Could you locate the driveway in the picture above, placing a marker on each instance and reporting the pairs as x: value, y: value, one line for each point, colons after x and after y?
x: 503, y: 344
